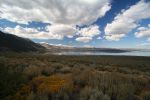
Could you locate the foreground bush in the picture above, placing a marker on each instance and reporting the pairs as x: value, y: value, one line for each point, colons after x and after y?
x: 86, y: 85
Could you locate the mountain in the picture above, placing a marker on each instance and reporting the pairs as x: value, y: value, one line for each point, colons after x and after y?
x: 65, y: 48
x: 53, y: 48
x: 9, y: 42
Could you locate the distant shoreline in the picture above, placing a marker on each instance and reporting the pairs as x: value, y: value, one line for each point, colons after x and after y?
x: 130, y: 53
x: 97, y: 54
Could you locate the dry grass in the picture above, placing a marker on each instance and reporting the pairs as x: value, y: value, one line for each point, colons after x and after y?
x: 38, y: 77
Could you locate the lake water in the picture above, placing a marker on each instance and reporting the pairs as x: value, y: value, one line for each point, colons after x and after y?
x: 133, y: 53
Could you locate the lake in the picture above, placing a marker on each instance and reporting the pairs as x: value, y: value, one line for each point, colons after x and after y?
x: 132, y: 53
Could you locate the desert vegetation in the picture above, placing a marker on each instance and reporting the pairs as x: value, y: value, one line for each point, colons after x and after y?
x: 29, y: 76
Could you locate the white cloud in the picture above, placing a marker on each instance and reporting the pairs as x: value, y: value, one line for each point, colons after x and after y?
x: 88, y: 46
x: 63, y: 15
x: 99, y: 38
x: 63, y: 30
x: 83, y: 39
x: 114, y: 37
x: 31, y: 33
x: 127, y: 20
x: 1, y: 28
x: 143, y: 32
x: 57, y: 31
x: 74, y: 12
x: 90, y: 31
x: 60, y: 45
x: 141, y: 28
x: 86, y: 34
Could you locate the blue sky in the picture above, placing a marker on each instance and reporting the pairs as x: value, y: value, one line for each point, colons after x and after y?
x: 97, y: 23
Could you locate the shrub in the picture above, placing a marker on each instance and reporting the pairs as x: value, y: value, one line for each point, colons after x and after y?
x: 145, y: 95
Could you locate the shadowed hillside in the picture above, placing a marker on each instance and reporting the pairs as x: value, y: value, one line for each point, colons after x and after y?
x: 9, y: 42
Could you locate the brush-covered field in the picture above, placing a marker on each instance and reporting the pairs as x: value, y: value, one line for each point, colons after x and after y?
x: 50, y: 77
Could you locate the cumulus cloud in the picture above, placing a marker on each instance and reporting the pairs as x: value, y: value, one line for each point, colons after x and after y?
x: 63, y: 15
x: 74, y: 12
x: 127, y: 20
x: 114, y: 37
x: 32, y: 33
x: 57, y: 31
x: 86, y: 34
x: 63, y: 30
x: 90, y: 31
x: 143, y: 32
x: 83, y: 39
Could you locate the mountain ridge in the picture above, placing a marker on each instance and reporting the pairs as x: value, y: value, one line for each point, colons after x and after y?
x: 64, y: 48
x: 10, y: 42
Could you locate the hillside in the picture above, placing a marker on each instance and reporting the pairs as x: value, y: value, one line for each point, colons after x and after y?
x: 9, y: 42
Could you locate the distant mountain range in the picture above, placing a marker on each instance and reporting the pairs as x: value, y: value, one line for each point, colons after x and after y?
x: 52, y: 48
x: 9, y: 42
x: 65, y: 48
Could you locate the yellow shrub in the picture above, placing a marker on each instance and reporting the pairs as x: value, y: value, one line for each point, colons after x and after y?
x: 53, y: 84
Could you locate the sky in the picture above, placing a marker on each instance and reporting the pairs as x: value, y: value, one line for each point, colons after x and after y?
x: 79, y: 23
